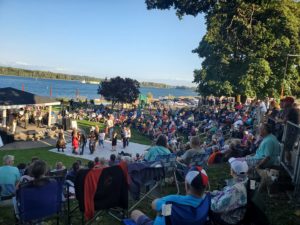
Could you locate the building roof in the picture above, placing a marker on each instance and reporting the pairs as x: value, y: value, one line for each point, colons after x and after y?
x: 14, y: 98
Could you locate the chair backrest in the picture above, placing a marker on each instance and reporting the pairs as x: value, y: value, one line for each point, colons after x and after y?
x: 168, y: 162
x: 188, y: 215
x: 39, y: 199
x: 199, y: 160
x: 111, y: 191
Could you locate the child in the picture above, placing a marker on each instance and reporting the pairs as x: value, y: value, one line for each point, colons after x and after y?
x: 101, y: 138
x: 114, y: 141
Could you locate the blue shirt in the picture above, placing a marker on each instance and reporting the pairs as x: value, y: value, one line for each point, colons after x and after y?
x: 269, y: 147
x: 154, y: 151
x: 9, y: 176
x: 180, y: 199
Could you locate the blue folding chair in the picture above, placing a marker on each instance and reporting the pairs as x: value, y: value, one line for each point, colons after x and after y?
x: 38, y: 200
x: 183, y: 214
x: 170, y: 167
x: 188, y: 215
x: 199, y: 160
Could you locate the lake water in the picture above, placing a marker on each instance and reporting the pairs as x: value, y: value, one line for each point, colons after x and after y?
x: 62, y: 88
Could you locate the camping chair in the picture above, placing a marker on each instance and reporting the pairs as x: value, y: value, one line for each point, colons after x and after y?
x: 169, y: 164
x: 149, y: 177
x: 107, y: 189
x: 199, y: 160
x: 39, y: 199
x: 188, y: 215
x: 183, y: 214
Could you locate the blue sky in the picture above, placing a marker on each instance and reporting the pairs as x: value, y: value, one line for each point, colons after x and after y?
x: 100, y: 38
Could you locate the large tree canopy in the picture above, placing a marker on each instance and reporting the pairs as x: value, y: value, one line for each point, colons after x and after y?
x: 119, y: 90
x: 246, y: 45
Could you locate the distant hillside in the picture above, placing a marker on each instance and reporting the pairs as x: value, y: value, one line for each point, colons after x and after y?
x: 61, y: 76
x: 44, y: 74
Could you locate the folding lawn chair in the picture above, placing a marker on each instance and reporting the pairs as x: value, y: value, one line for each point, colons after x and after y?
x: 101, y: 189
x: 38, y: 200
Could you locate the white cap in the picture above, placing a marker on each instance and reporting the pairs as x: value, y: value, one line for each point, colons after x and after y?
x: 238, y: 166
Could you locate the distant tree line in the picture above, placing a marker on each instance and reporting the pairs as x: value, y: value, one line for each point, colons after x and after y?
x: 43, y: 74
x: 61, y: 76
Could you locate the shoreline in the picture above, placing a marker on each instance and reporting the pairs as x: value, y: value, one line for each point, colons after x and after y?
x: 43, y: 78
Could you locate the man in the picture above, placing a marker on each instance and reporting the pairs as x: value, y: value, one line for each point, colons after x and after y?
x: 228, y: 204
x: 268, y: 150
x: 9, y: 176
x: 261, y: 111
x: 195, y: 183
x: 189, y: 154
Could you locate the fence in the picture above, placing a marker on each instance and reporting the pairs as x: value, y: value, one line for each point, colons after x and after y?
x: 291, y: 144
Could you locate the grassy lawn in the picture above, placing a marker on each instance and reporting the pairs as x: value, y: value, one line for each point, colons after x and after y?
x: 136, y: 137
x: 277, y: 209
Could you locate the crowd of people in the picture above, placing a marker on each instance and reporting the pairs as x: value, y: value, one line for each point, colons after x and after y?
x: 247, y: 136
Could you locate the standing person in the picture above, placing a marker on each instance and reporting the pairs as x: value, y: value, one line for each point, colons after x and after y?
x: 124, y: 136
x: 101, y: 138
x: 97, y: 131
x: 61, y: 143
x: 75, y: 142
x: 92, y: 143
x: 26, y: 117
x: 114, y: 141
x: 128, y: 135
x: 82, y: 142
x: 14, y: 124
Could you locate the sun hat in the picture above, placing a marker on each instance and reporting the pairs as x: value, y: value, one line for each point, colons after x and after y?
x: 238, y: 166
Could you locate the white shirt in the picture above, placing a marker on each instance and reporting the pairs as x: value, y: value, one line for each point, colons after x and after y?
x: 101, y: 136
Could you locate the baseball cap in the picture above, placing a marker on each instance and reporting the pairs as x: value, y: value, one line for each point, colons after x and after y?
x: 197, y: 177
x: 238, y: 166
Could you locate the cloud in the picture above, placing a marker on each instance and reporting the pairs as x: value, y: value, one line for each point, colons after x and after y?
x: 22, y: 63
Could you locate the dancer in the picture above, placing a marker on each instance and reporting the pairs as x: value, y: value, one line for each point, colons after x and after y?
x: 114, y: 141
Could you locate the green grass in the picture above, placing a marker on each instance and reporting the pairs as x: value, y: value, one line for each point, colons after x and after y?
x: 278, y: 210
x: 25, y: 155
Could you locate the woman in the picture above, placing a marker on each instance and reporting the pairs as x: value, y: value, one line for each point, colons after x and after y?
x: 229, y: 205
x: 61, y: 143
x: 161, y: 148
x: 75, y: 143
x: 92, y: 143
x: 82, y: 142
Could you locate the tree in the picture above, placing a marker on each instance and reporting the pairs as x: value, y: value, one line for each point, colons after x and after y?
x: 149, y: 97
x: 119, y: 90
x: 245, y: 46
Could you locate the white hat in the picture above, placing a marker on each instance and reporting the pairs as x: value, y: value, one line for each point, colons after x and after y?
x: 238, y: 166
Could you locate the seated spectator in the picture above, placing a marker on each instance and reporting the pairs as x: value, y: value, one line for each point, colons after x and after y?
x: 195, y: 183
x: 268, y: 150
x: 112, y: 160
x: 160, y: 148
x: 99, y: 162
x: 228, y: 205
x: 195, y: 149
x: 73, y: 172
x: 37, y: 170
x: 9, y: 176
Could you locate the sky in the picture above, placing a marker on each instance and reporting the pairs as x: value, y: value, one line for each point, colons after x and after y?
x: 101, y: 38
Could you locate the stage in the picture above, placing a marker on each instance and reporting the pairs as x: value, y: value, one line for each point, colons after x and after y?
x: 105, y: 152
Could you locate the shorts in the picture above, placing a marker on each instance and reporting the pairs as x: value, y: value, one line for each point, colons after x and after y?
x: 144, y: 220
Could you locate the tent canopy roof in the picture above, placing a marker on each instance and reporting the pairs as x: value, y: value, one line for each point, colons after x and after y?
x: 14, y: 98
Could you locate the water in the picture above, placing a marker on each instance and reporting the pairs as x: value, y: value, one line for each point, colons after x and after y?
x: 62, y: 88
